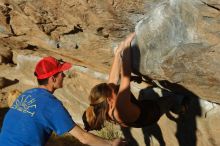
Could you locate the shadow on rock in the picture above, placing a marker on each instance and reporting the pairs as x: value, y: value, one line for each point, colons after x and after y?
x: 186, y: 122
x: 4, y: 82
x: 128, y: 136
x: 154, y: 130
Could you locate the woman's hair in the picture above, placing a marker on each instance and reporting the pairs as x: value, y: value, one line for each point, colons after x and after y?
x: 96, y: 114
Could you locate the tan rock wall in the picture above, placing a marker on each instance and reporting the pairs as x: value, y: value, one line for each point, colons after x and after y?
x: 84, y: 33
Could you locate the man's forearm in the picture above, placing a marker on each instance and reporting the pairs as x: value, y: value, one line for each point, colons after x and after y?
x: 89, y: 138
x: 94, y: 140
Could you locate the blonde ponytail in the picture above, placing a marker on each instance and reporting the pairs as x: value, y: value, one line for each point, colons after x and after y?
x: 96, y: 114
x: 90, y: 115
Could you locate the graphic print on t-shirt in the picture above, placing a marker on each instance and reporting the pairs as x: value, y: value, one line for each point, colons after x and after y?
x: 25, y: 104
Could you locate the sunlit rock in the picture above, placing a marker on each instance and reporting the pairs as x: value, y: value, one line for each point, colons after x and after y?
x: 178, y: 41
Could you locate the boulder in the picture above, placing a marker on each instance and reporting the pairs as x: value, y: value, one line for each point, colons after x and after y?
x: 178, y: 42
x: 178, y: 48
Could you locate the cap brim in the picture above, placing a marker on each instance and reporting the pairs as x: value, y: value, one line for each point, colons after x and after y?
x: 65, y: 66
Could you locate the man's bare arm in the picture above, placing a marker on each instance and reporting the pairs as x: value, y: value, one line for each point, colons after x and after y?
x: 93, y: 140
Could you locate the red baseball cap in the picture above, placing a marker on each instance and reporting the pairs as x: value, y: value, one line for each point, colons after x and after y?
x: 49, y: 66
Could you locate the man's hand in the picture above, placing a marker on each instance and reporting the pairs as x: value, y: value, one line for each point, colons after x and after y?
x: 119, y: 142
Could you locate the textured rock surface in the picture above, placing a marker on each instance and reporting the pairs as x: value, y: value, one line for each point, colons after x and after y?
x: 179, y: 42
x: 83, y: 32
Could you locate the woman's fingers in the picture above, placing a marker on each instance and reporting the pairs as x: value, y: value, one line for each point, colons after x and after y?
x: 126, y: 43
x: 129, y: 39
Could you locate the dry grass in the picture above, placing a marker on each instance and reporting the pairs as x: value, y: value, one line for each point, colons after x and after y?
x: 110, y: 131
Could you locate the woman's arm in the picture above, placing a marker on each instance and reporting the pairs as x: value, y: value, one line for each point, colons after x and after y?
x: 115, y: 69
x: 93, y: 140
x: 124, y: 89
x: 126, y: 111
x: 114, y: 74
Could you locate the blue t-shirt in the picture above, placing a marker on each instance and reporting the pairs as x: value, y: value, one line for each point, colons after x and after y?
x: 32, y: 118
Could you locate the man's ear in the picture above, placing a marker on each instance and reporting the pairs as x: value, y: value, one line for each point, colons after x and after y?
x: 52, y: 79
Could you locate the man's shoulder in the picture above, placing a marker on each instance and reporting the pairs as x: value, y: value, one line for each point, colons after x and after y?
x: 38, y: 91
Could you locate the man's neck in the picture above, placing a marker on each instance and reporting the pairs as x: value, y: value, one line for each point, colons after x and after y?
x: 47, y: 87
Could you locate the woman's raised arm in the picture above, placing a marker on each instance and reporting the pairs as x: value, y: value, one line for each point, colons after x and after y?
x: 124, y: 89
x: 125, y: 109
x: 114, y: 74
x: 115, y: 68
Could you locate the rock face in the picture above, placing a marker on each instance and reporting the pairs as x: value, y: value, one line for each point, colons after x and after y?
x: 66, y: 27
x: 5, y: 56
x: 178, y: 42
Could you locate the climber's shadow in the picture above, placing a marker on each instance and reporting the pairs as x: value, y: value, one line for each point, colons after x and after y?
x: 152, y: 93
x: 131, y: 141
x: 149, y: 131
x: 186, y: 123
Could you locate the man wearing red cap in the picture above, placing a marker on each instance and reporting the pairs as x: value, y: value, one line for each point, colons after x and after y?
x: 36, y: 113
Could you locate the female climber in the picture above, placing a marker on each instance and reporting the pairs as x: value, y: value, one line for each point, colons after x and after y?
x: 115, y: 103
